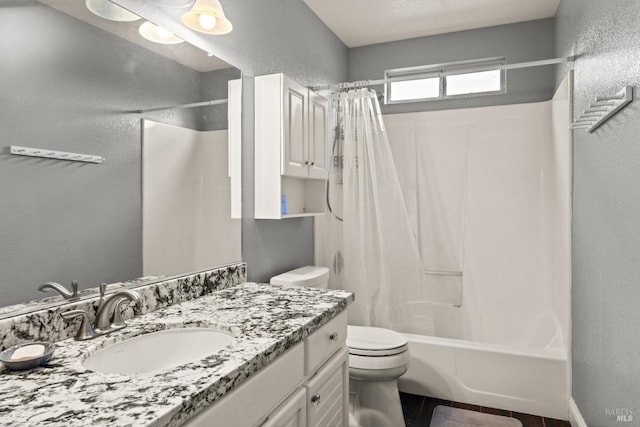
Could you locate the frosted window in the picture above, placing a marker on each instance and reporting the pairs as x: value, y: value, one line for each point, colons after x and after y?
x: 484, y: 81
x: 415, y: 89
x: 453, y: 80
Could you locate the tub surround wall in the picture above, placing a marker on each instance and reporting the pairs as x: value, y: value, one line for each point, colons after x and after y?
x: 47, y: 324
x: 186, y: 201
x: 557, y: 189
x: 494, y: 227
x: 265, y: 321
x: 488, y: 190
x: 606, y: 233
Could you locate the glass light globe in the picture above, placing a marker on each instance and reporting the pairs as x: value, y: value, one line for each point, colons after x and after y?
x: 158, y: 34
x: 207, y: 21
x: 163, y: 34
x: 111, y: 11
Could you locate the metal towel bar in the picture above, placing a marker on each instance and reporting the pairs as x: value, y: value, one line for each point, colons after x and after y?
x: 51, y: 154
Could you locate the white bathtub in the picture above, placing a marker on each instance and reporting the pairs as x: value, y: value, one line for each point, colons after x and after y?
x: 532, y: 381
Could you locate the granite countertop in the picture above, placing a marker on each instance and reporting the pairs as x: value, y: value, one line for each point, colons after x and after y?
x: 265, y: 321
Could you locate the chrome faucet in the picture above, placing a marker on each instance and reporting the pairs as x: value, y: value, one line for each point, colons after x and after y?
x: 108, y: 317
x: 61, y: 289
x: 109, y: 309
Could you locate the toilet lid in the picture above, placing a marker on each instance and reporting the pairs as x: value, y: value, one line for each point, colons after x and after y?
x: 309, y: 276
x: 370, y: 341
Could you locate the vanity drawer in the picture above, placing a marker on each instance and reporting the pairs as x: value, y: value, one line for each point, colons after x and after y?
x: 323, y: 343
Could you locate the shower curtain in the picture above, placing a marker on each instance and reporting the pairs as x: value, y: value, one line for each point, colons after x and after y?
x: 382, y: 262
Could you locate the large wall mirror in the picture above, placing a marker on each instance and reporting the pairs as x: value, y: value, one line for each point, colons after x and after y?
x: 72, y: 81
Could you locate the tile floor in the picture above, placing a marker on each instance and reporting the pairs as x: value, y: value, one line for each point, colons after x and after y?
x: 418, y: 409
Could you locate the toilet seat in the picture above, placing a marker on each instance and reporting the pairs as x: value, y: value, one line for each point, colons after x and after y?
x: 374, y: 342
x: 378, y: 353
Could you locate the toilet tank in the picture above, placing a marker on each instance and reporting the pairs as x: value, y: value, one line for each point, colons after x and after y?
x: 309, y: 276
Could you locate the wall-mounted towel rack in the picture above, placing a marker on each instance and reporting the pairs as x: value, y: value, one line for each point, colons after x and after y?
x: 51, y: 154
x: 602, y: 109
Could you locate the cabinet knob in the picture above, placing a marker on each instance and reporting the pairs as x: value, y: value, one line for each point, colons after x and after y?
x: 313, y: 163
x: 315, y: 399
x: 334, y: 337
x: 306, y: 162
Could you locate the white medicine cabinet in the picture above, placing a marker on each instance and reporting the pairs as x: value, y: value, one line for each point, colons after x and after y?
x: 291, y: 132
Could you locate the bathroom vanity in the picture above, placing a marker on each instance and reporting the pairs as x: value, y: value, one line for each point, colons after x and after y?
x: 286, y: 365
x: 306, y: 386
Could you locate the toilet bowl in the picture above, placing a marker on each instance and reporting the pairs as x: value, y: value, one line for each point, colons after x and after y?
x: 377, y: 358
x: 376, y: 353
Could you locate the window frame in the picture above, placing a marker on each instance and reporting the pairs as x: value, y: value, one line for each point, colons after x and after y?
x: 441, y: 71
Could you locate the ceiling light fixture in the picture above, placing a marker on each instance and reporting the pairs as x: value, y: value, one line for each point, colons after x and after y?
x: 207, y: 16
x: 157, y: 34
x: 111, y: 11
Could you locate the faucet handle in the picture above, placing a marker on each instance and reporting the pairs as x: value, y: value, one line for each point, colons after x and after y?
x: 74, y: 289
x: 103, y: 289
x: 86, y: 331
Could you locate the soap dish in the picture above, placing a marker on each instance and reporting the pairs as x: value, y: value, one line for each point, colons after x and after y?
x: 27, y: 363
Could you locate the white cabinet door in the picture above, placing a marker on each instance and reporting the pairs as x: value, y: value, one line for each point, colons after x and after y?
x: 295, y: 156
x: 292, y: 413
x: 328, y: 394
x: 318, y: 129
x: 290, y: 149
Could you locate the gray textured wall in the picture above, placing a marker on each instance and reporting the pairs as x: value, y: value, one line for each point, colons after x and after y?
x: 521, y: 42
x: 282, y: 36
x: 213, y: 85
x: 65, y: 85
x: 606, y: 210
x: 273, y: 36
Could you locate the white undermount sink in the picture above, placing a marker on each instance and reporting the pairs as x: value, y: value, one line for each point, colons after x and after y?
x: 158, y: 350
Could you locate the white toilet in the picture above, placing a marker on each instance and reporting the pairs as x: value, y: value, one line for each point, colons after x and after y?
x: 377, y: 358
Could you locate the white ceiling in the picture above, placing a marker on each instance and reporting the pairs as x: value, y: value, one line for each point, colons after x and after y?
x: 364, y: 22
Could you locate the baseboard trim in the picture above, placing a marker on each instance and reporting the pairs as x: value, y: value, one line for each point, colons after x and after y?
x: 575, y: 417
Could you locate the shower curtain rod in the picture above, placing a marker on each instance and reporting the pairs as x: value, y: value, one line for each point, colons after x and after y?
x: 362, y: 83
x: 183, y: 106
